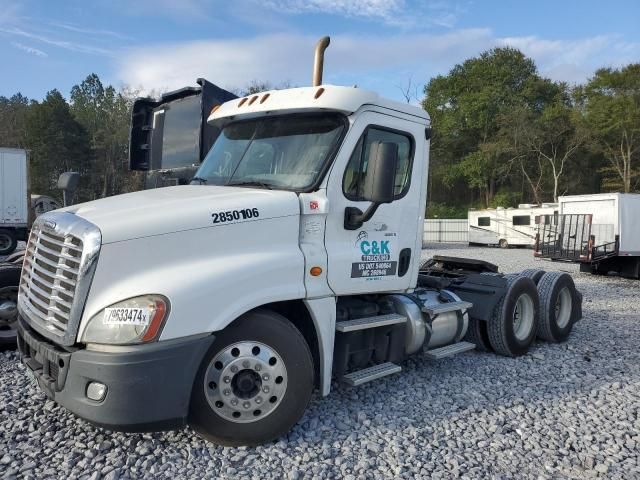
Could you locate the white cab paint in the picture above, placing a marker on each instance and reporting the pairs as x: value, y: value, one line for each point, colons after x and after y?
x: 396, y: 223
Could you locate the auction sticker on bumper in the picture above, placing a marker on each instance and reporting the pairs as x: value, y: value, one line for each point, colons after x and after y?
x: 126, y: 316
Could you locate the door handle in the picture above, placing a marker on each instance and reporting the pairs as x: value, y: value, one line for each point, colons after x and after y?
x: 404, y: 261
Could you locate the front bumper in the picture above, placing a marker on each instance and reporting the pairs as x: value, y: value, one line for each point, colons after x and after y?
x: 148, y: 386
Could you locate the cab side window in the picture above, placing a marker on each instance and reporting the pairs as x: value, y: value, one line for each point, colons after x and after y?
x: 353, y: 181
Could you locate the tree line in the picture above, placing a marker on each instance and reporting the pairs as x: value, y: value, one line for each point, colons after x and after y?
x: 502, y: 134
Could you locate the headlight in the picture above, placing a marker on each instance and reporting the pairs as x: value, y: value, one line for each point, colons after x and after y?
x: 136, y: 320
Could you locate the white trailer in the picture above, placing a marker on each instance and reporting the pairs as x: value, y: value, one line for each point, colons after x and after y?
x: 601, y: 231
x: 14, y: 194
x: 508, y: 226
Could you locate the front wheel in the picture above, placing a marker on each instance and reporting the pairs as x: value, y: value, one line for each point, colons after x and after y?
x: 255, y: 382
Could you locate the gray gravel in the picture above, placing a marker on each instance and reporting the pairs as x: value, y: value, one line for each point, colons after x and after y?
x: 562, y: 411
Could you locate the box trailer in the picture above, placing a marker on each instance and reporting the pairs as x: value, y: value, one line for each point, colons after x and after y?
x: 601, y: 231
x: 14, y: 194
x: 508, y: 226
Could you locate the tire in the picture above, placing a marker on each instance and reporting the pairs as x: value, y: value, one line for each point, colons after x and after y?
x: 290, y: 382
x: 559, y: 306
x: 513, y: 324
x: 503, y: 243
x: 8, y: 241
x: 532, y: 273
x: 478, y: 335
x: 9, y: 281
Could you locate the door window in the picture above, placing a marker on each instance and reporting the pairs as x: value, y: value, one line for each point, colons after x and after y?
x: 353, y: 182
x: 484, y: 221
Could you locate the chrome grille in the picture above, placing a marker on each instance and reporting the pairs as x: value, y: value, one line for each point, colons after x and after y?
x: 58, y: 267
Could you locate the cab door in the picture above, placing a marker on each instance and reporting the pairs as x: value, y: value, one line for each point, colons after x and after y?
x: 381, y: 254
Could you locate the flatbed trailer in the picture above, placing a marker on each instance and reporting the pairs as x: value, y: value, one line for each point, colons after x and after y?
x: 599, y: 231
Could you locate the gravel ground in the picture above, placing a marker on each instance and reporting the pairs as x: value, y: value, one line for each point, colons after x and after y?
x: 562, y: 411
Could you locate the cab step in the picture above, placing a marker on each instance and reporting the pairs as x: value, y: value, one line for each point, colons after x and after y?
x: 434, y: 310
x: 449, y: 350
x: 371, y: 373
x: 369, y: 322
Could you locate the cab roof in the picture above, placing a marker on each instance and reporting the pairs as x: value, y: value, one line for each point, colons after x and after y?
x: 324, y: 97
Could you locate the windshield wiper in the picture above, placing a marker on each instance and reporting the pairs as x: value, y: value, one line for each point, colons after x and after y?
x: 251, y: 183
x: 199, y: 179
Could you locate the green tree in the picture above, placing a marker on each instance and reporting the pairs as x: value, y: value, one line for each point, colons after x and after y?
x: 467, y: 106
x: 13, y: 114
x: 57, y: 143
x: 105, y: 114
x: 610, y: 102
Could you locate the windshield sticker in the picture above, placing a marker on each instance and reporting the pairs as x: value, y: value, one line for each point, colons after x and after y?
x: 235, y: 215
x: 374, y: 254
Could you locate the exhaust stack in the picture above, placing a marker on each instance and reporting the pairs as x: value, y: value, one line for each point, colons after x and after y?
x: 318, y: 61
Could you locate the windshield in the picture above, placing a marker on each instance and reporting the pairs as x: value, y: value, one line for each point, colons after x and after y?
x: 287, y: 152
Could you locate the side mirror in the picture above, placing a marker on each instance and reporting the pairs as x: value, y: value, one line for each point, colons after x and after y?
x: 379, y: 183
x: 68, y: 183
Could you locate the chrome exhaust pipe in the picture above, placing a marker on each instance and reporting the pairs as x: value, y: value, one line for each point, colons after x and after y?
x: 318, y: 60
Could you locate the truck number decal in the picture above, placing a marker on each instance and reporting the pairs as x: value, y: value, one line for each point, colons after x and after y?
x: 235, y: 215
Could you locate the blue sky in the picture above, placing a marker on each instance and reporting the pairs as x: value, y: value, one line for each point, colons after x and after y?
x: 158, y: 45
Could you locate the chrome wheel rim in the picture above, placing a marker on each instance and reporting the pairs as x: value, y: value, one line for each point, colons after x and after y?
x: 8, y: 311
x: 523, y: 315
x: 563, y: 307
x: 245, y: 382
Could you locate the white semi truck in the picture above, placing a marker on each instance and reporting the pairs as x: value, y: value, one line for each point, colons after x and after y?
x: 292, y: 259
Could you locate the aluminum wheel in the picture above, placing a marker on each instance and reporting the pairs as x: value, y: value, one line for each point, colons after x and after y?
x: 564, y: 303
x: 8, y: 312
x: 245, y: 382
x: 523, y: 317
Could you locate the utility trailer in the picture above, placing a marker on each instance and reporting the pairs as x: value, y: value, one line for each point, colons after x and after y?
x: 600, y: 231
x: 292, y: 259
x: 507, y: 227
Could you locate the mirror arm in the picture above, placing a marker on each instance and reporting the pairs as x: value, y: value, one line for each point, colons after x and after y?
x: 354, y: 218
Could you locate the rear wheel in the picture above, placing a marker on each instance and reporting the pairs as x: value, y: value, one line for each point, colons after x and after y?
x: 513, y: 324
x: 9, y: 280
x: 534, y: 274
x: 255, y: 382
x: 559, y: 304
x: 478, y: 335
x: 8, y: 241
x: 503, y: 243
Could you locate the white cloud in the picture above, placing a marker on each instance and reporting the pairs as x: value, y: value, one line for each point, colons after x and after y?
x: 376, y: 62
x: 28, y: 49
x: 351, y: 8
x: 67, y: 45
x: 575, y: 60
x: 398, y: 13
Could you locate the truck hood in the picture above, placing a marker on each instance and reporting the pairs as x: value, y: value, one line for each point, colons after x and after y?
x: 188, y: 207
